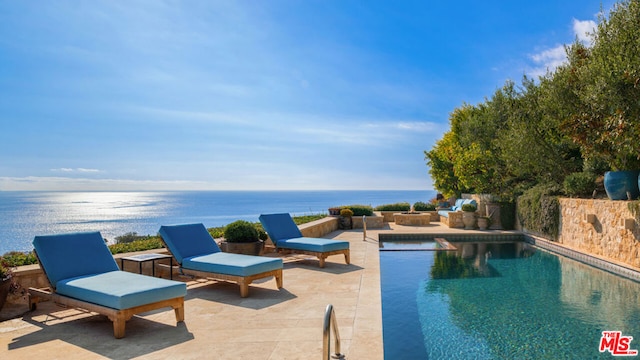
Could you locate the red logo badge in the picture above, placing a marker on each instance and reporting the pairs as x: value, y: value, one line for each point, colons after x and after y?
x: 617, y: 344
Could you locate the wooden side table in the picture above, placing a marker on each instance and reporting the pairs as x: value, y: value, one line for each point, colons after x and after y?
x: 142, y: 258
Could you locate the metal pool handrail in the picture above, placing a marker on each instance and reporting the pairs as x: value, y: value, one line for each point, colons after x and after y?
x: 364, y: 227
x: 329, y: 320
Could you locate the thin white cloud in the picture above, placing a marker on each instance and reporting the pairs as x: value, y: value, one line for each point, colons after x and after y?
x: 43, y: 183
x: 550, y: 59
x: 79, y: 170
x: 418, y: 126
x: 584, y: 30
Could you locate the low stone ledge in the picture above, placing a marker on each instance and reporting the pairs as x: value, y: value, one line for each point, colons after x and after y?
x: 387, y: 216
x: 373, y: 222
x: 415, y: 219
x: 319, y: 228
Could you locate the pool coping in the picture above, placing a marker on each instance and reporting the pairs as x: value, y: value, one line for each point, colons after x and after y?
x: 595, y: 261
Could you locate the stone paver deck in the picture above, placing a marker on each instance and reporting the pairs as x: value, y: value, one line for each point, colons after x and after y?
x: 219, y: 324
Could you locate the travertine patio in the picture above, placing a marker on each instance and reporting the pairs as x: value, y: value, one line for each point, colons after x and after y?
x: 219, y: 324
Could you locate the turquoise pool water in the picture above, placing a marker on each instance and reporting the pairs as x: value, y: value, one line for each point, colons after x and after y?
x: 501, y: 301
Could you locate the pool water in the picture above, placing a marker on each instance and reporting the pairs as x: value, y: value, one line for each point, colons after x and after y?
x: 501, y: 301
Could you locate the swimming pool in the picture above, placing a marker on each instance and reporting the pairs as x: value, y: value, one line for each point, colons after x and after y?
x: 501, y: 300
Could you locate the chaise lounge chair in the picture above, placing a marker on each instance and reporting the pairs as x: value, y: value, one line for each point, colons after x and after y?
x: 83, y: 274
x: 198, y: 255
x: 286, y: 236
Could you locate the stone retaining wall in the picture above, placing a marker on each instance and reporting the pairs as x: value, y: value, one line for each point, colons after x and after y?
x: 319, y: 228
x: 601, y: 228
x: 373, y: 222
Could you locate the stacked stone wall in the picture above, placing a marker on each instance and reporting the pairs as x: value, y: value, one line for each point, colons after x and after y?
x: 602, y: 228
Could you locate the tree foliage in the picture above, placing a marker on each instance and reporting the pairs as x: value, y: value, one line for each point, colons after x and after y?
x: 583, y: 116
x: 606, y: 81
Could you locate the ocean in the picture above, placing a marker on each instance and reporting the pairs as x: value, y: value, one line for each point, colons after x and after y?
x: 25, y: 214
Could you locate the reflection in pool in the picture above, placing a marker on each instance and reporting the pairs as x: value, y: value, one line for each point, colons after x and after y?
x: 501, y: 301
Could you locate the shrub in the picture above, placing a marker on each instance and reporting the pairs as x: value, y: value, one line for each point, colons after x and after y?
x: 302, y: 219
x: 422, y: 206
x: 241, y: 231
x: 401, y: 206
x: 216, y: 232
x: 508, y: 215
x: 360, y: 210
x: 17, y: 258
x: 580, y: 184
x: 129, y: 237
x: 346, y: 213
x: 5, y: 271
x: 469, y: 207
x: 539, y: 210
x: 137, y: 245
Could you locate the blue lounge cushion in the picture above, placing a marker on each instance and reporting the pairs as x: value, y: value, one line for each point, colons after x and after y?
x: 313, y: 244
x: 73, y: 255
x: 458, y: 205
x: 186, y: 241
x: 285, y: 234
x: 120, y: 289
x: 232, y: 264
x: 279, y: 227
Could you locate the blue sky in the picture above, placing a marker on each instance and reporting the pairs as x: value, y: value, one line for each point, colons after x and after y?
x: 264, y: 95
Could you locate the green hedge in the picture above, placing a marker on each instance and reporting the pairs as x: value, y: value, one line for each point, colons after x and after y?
x: 137, y: 245
x: 580, y: 184
x: 17, y: 258
x: 360, y: 210
x: 401, y: 206
x: 539, y: 210
x: 422, y: 206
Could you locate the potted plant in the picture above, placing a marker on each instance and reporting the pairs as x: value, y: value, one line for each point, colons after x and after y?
x: 6, y: 282
x: 483, y: 222
x: 242, y: 237
x: 469, y: 216
x: 346, y: 219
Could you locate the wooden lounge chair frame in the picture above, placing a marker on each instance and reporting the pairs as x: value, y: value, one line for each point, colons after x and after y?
x: 320, y: 255
x: 242, y: 281
x: 118, y: 317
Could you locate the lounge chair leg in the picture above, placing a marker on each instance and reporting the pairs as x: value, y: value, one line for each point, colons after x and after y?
x: 321, y: 261
x: 244, y: 289
x: 179, y: 313
x: 279, y: 279
x: 118, y: 327
x: 347, y: 257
